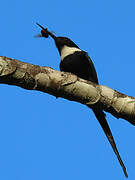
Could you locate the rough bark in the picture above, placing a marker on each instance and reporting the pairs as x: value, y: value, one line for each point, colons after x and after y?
x: 68, y: 86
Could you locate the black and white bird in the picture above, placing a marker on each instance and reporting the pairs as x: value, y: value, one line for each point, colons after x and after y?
x: 77, y: 61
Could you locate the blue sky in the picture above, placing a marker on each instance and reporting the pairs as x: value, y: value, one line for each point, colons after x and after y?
x: 45, y: 138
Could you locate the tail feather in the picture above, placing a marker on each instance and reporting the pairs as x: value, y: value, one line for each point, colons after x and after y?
x: 102, y: 120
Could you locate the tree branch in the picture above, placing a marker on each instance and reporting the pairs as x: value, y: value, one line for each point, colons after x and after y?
x: 68, y: 86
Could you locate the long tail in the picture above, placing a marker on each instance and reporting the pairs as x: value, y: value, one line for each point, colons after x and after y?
x: 102, y: 120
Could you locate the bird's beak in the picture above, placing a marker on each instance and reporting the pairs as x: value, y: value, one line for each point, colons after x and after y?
x: 47, y: 32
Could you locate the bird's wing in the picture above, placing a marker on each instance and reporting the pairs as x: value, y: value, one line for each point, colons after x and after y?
x: 92, y: 70
x: 102, y: 120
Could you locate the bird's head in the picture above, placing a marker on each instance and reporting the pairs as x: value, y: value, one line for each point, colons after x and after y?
x: 59, y: 41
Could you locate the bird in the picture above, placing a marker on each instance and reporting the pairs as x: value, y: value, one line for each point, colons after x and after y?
x: 77, y: 62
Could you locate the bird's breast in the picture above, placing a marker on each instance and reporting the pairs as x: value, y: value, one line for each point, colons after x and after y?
x: 66, y: 51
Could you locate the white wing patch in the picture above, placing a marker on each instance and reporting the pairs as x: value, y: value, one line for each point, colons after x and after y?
x: 67, y: 51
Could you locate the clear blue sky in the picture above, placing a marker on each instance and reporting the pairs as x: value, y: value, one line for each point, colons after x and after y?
x: 44, y: 138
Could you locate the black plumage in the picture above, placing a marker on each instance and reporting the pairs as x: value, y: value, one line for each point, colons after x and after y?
x: 76, y: 61
x: 82, y: 68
